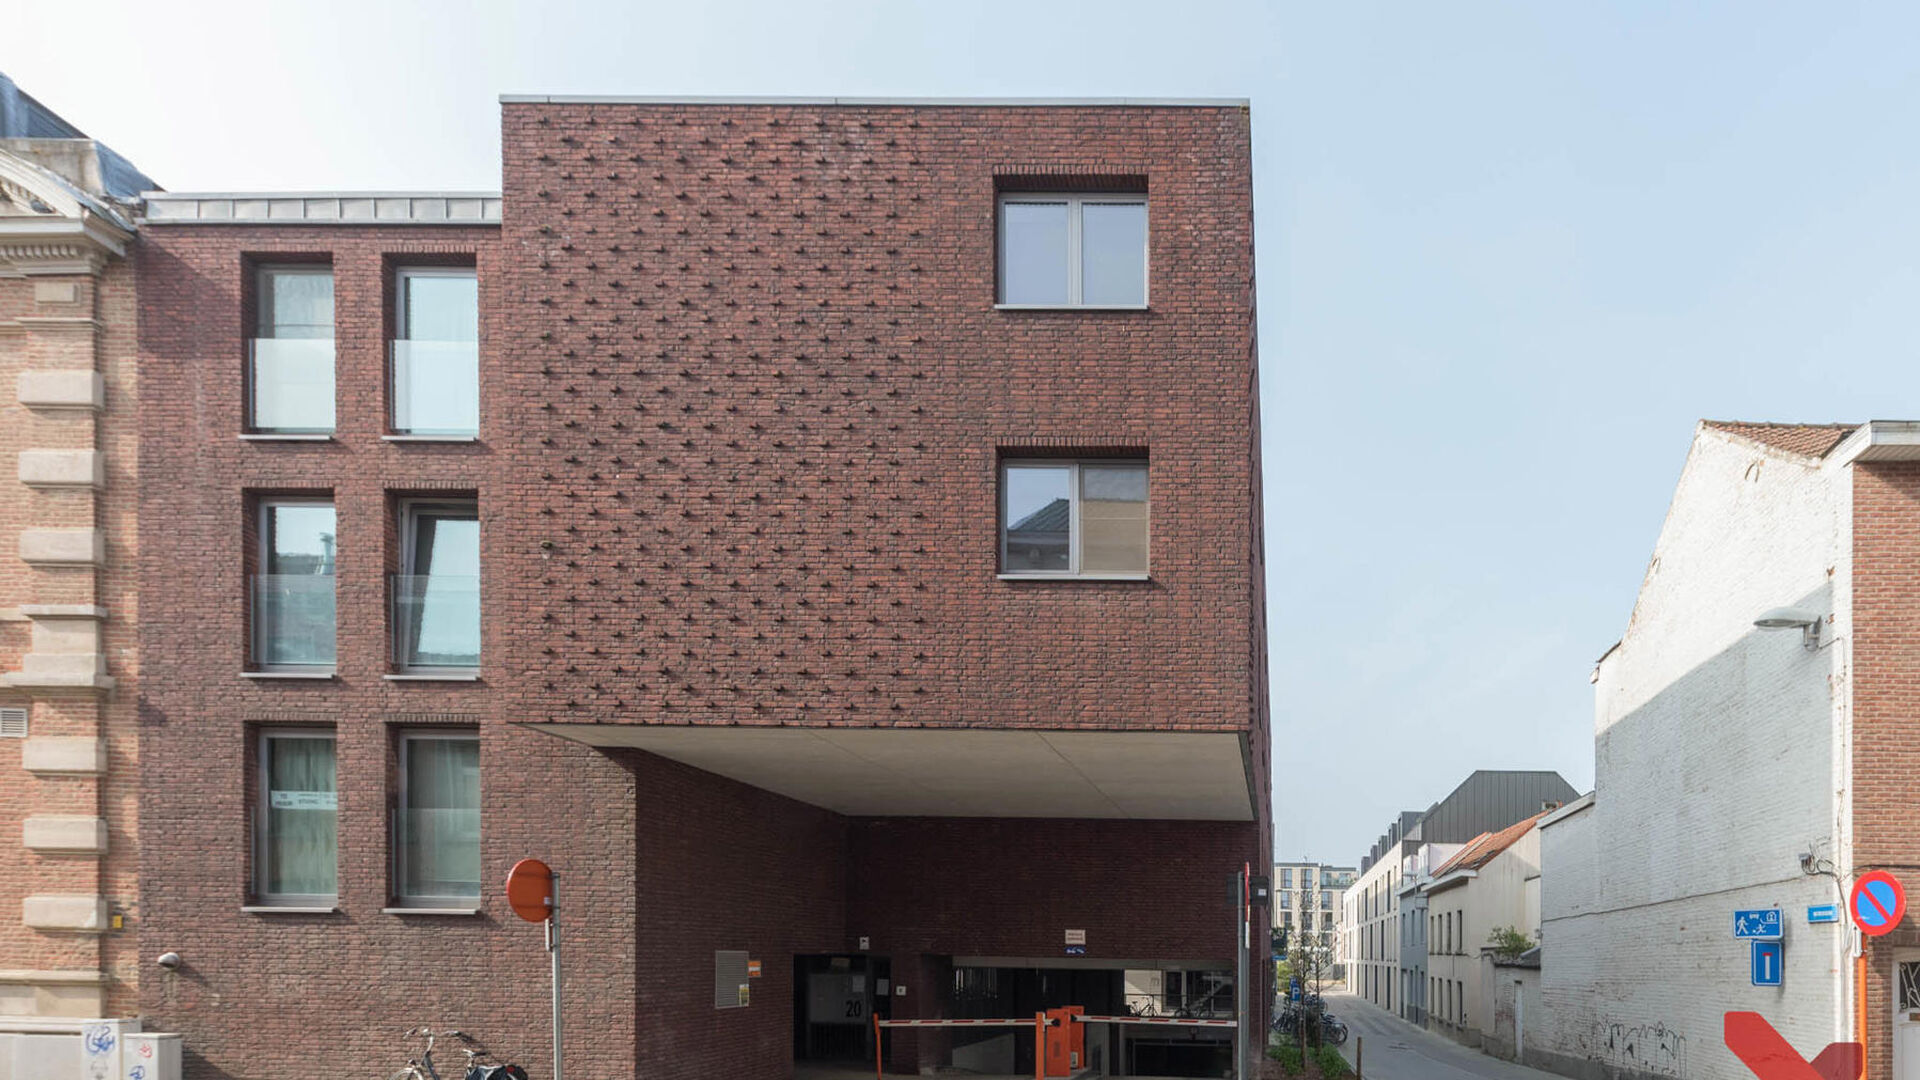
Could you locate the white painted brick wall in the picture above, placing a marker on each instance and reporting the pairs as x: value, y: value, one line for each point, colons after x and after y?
x: 1715, y: 767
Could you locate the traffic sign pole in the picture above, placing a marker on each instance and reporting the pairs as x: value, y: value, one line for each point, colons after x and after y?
x: 553, y: 949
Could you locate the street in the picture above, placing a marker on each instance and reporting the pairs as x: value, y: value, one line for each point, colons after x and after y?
x: 1396, y: 1050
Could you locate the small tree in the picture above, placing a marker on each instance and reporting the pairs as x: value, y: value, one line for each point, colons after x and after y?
x: 1507, y: 943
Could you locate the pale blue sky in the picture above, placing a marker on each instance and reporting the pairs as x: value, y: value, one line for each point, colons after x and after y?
x: 1508, y: 254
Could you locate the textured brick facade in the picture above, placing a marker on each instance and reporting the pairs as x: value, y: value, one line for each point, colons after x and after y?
x: 1886, y: 717
x: 744, y: 392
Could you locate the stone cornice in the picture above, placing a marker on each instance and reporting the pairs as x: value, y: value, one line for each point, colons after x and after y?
x: 46, y: 244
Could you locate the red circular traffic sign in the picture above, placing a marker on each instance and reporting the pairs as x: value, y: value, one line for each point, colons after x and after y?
x: 530, y: 890
x: 1877, y: 903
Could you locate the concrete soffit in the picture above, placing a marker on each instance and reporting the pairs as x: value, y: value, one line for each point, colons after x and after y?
x: 1880, y: 440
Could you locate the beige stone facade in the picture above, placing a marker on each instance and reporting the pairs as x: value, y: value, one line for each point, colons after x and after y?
x: 68, y: 551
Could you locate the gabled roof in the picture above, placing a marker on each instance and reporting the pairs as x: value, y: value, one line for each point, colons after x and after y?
x: 1482, y: 849
x: 1807, y: 440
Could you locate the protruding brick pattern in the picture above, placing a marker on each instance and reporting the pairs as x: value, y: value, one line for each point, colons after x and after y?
x: 744, y: 392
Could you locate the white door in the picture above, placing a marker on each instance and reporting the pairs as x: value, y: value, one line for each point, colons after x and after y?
x: 1519, y: 1021
x: 1906, y: 1020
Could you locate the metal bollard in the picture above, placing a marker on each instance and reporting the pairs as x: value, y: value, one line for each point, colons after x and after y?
x: 1359, y: 1054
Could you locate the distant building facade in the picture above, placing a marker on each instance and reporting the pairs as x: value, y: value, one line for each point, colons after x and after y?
x: 69, y: 673
x: 1307, y: 905
x: 1493, y: 881
x: 1386, y: 908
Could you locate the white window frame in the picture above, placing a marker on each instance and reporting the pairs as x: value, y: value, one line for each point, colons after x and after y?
x: 403, y: 899
x: 401, y: 275
x: 263, y: 780
x: 263, y: 554
x: 1075, y: 254
x: 1073, y: 571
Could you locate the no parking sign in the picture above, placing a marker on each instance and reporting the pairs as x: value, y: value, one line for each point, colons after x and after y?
x: 1878, y: 903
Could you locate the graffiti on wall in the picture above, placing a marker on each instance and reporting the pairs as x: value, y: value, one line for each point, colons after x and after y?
x: 1651, y: 1048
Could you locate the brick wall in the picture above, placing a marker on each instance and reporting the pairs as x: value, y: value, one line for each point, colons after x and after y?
x: 788, y: 312
x: 743, y: 397
x: 1886, y: 716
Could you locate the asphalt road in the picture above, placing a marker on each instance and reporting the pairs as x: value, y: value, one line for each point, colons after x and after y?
x: 1396, y: 1050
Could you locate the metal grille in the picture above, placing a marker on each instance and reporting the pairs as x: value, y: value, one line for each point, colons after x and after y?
x: 13, y: 723
x: 729, y: 979
x: 1909, y: 986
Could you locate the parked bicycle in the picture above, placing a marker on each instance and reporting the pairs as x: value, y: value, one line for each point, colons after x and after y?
x: 480, y: 1065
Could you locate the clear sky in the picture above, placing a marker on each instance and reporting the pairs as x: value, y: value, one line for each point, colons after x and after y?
x: 1508, y: 255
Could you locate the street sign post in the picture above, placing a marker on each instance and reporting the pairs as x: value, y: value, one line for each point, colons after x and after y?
x: 1878, y: 903
x: 1761, y: 923
x: 533, y: 894
x: 1768, y: 963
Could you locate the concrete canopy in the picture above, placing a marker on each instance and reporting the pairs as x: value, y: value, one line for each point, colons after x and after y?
x: 933, y: 772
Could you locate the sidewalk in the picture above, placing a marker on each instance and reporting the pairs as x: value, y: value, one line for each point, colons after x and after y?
x: 1396, y: 1050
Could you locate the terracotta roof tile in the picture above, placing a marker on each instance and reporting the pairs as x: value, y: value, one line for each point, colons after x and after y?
x: 1481, y: 849
x: 1812, y: 440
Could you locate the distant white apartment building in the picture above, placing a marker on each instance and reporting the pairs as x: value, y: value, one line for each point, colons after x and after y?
x: 1306, y: 904
x: 1385, y: 910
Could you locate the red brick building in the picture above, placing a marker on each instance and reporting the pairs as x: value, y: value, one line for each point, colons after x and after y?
x: 826, y: 532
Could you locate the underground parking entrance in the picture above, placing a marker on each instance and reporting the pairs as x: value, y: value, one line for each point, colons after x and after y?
x: 1153, y: 1019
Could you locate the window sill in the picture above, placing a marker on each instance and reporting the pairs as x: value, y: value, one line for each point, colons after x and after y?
x: 1075, y: 577
x: 288, y: 909
x: 431, y: 438
x: 430, y: 676
x: 467, y: 912
x: 1071, y: 307
x: 285, y: 436
x: 317, y: 673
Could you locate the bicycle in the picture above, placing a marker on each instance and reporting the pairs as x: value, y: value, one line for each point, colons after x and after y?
x: 422, y: 1068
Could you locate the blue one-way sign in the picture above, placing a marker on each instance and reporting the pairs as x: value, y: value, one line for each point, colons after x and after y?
x: 1763, y: 923
x: 1767, y: 963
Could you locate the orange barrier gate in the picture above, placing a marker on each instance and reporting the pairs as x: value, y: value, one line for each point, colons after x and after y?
x: 1059, y: 1035
x: 1041, y: 1022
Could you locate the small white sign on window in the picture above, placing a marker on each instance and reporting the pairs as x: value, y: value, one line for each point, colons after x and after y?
x: 304, y: 800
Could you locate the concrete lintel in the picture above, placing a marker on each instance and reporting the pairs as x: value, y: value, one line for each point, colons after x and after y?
x: 68, y: 389
x: 63, y: 547
x: 67, y: 914
x: 70, y: 754
x: 63, y: 468
x: 78, y: 833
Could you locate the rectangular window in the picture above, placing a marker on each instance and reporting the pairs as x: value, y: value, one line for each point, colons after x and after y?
x: 437, y: 829
x: 296, y: 847
x: 1073, y: 250
x: 436, y: 352
x: 293, y: 609
x: 290, y: 368
x: 436, y: 596
x: 1074, y: 519
x: 1286, y: 878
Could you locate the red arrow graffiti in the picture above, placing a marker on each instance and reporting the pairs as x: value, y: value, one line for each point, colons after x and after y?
x: 1771, y: 1057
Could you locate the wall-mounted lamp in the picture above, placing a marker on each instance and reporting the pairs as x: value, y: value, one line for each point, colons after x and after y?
x: 1786, y: 618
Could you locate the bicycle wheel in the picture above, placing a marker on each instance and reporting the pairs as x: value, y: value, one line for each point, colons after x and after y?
x: 411, y: 1072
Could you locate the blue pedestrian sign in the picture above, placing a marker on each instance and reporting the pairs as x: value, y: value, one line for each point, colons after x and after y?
x: 1763, y: 924
x: 1767, y: 963
x: 1823, y: 913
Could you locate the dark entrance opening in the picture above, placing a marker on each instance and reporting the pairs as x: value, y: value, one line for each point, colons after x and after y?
x: 983, y: 992
x: 834, y: 1001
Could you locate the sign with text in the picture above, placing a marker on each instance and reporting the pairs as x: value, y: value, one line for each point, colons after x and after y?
x: 1823, y: 913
